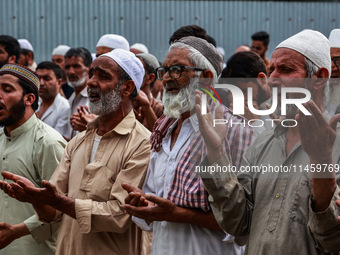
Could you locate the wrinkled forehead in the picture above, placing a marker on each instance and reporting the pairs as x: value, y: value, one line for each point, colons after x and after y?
x: 177, y: 56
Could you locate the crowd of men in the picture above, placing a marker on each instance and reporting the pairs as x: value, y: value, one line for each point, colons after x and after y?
x: 119, y: 153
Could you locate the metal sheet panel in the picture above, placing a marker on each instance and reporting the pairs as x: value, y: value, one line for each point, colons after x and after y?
x: 48, y: 23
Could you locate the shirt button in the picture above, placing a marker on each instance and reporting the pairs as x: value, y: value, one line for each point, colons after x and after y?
x: 277, y: 195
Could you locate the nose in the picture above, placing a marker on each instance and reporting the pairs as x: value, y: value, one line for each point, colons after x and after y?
x: 166, y: 77
x: 92, y: 82
x: 42, y: 82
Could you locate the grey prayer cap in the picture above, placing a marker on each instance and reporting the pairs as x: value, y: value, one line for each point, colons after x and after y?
x: 206, y: 49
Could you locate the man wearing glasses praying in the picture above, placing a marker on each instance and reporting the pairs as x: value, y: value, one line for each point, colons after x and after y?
x: 174, y: 203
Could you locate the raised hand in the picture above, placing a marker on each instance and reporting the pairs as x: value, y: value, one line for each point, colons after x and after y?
x: 213, y: 136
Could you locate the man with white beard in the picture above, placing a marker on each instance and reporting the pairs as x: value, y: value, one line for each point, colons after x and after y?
x: 85, y: 192
x: 285, y: 202
x: 182, y: 221
x: 77, y: 64
x: 333, y: 99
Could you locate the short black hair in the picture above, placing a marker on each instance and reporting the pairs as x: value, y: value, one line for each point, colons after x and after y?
x: 12, y: 46
x: 148, y: 70
x: 191, y: 30
x: 123, y: 77
x: 27, y: 89
x: 246, y: 64
x: 49, y: 65
x: 211, y: 40
x: 80, y: 52
x: 25, y: 52
x: 261, y: 36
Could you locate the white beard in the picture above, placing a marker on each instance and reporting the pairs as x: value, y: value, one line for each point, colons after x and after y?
x: 183, y: 101
x: 109, y: 102
x: 79, y: 82
x: 333, y: 96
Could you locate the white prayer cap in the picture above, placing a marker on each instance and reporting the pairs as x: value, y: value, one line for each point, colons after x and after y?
x: 141, y: 47
x: 221, y: 51
x: 149, y: 58
x: 60, y: 50
x: 311, y: 44
x: 113, y: 41
x: 334, y: 38
x: 25, y: 44
x: 130, y: 64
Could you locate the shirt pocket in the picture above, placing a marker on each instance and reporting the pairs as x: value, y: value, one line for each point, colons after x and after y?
x: 101, y: 183
x: 299, y: 209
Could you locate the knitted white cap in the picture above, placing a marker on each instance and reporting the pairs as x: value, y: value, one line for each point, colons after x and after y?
x: 25, y: 44
x: 113, y: 41
x: 130, y: 64
x: 141, y: 47
x: 311, y: 44
x: 334, y: 38
x: 60, y: 50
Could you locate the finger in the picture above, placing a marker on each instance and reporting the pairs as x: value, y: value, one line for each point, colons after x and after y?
x: 338, y: 218
x: 142, y: 202
x: 128, y: 198
x: 334, y: 121
x: 337, y: 202
x: 129, y: 188
x: 219, y: 112
x: 47, y: 185
x: 315, y: 120
x: 87, y: 108
x: 135, y: 198
x: 10, y: 176
x: 157, y: 200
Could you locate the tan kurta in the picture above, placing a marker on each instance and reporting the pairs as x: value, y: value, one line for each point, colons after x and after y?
x: 101, y: 226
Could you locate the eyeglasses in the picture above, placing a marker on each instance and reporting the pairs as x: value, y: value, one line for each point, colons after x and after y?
x: 175, y: 71
x: 336, y: 61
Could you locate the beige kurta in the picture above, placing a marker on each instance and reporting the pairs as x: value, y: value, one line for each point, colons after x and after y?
x: 101, y: 226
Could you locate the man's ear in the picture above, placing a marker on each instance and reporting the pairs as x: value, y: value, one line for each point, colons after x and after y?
x: 321, y: 78
x: 262, y: 81
x: 207, y: 74
x: 207, y: 77
x: 150, y: 78
x: 12, y: 59
x: 127, y: 88
x: 29, y: 99
x: 59, y: 83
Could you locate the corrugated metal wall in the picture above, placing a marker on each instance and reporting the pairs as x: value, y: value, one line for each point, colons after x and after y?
x: 48, y: 23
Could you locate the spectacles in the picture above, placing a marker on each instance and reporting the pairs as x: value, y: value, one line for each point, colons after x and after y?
x: 175, y: 71
x: 336, y: 61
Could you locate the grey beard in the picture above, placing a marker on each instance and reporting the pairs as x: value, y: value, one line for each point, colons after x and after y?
x: 333, y: 96
x: 77, y: 83
x: 109, y: 102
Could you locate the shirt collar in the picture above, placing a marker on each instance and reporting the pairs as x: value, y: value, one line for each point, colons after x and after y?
x: 84, y: 92
x: 193, y: 120
x: 24, y: 127
x: 124, y: 127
